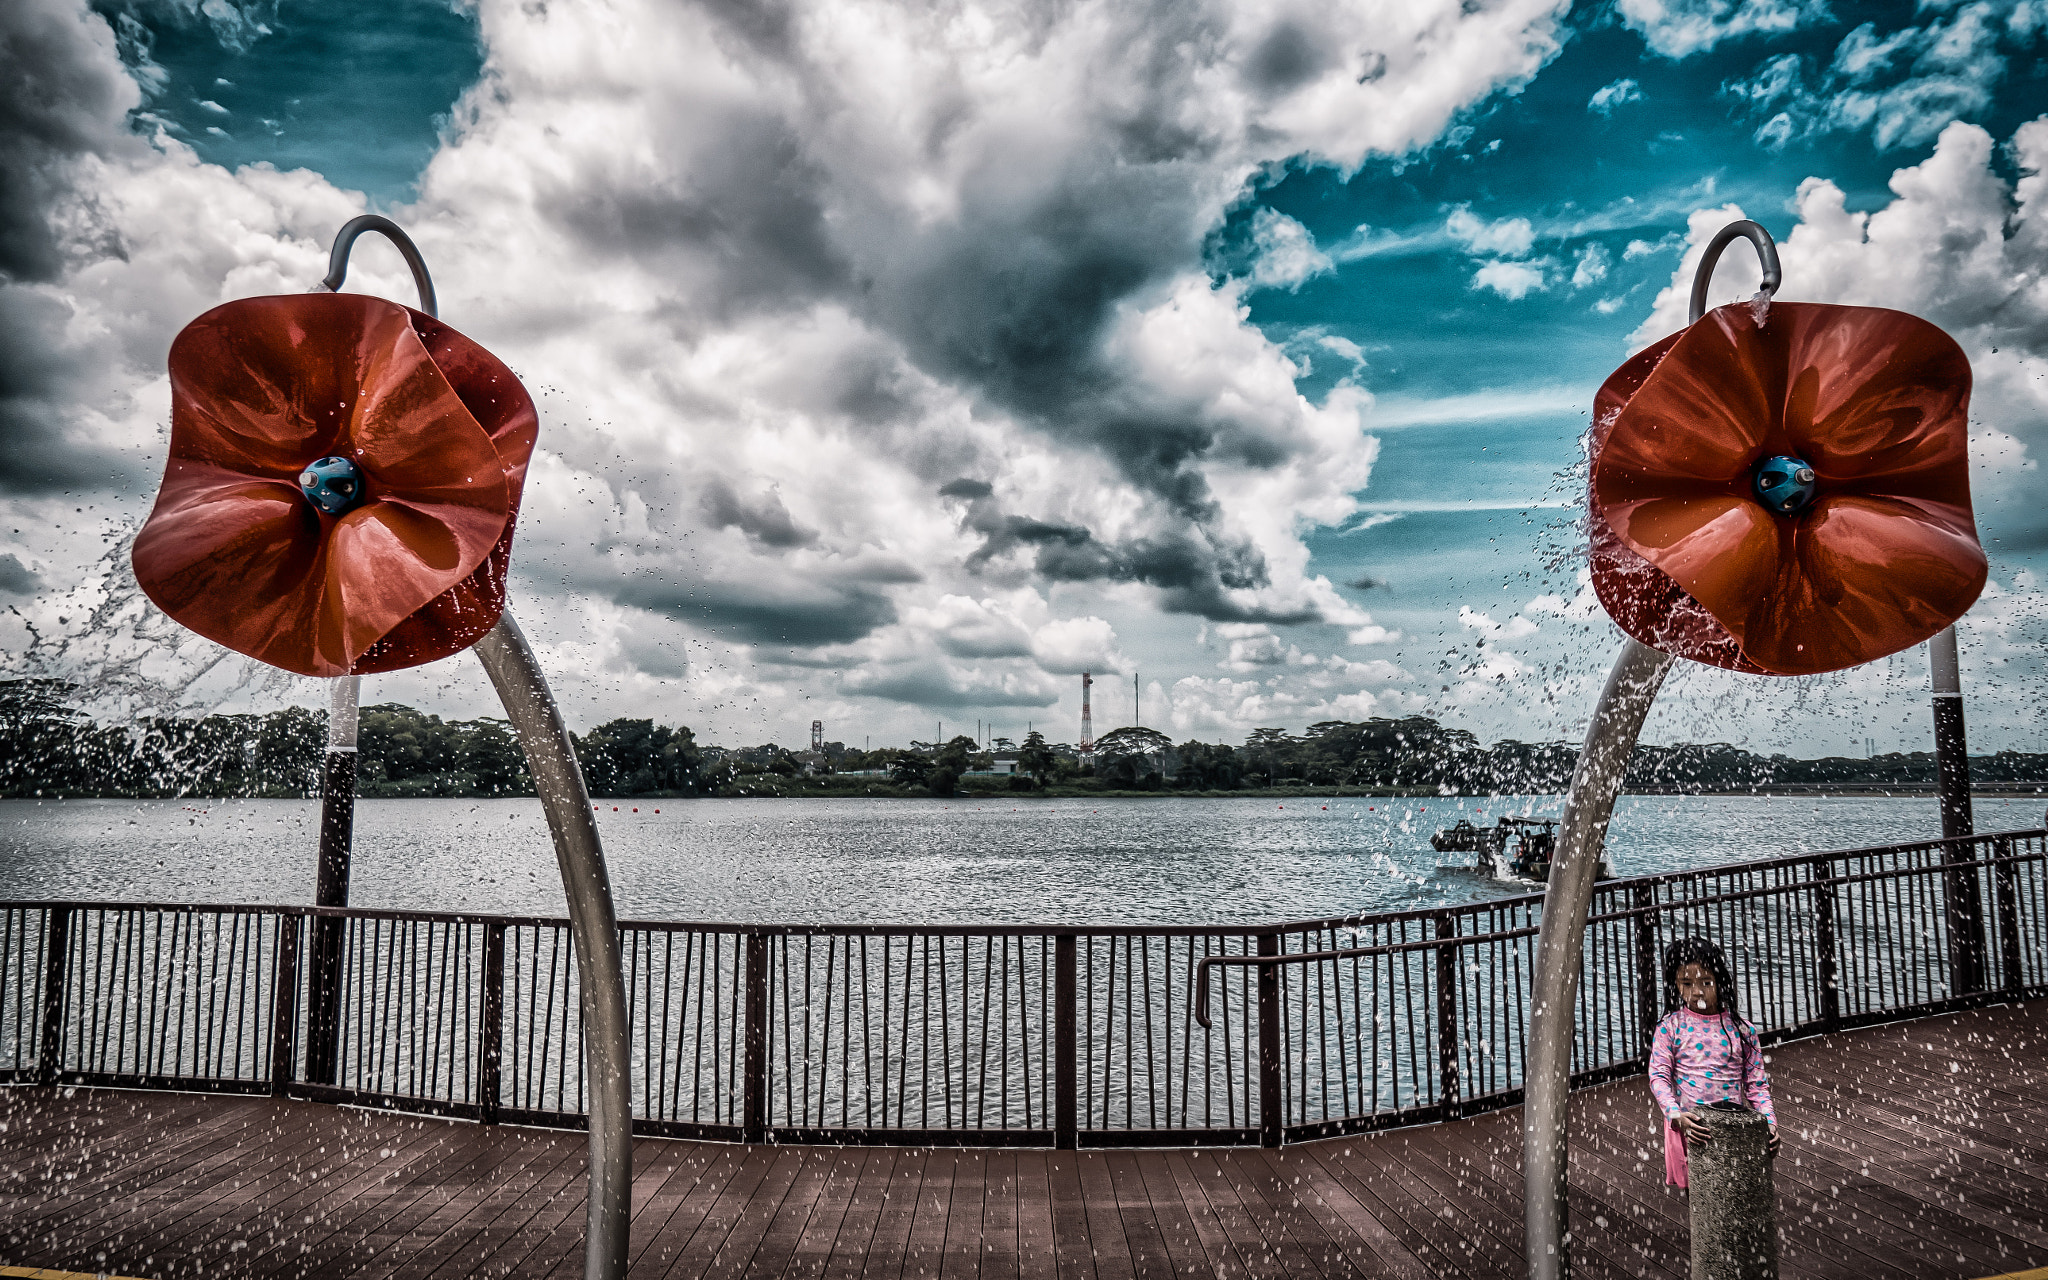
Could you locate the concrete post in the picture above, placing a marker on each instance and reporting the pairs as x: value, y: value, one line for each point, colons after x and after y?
x: 1734, y: 1214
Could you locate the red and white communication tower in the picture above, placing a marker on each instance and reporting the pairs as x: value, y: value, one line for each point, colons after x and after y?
x: 1087, y: 716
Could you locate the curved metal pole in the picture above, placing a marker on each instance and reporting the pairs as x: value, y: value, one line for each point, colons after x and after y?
x: 1581, y: 838
x: 1766, y: 252
x: 345, y: 240
x: 1581, y: 835
x: 593, y: 925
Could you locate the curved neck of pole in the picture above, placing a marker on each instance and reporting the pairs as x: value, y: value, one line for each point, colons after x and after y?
x: 345, y: 241
x: 1766, y: 253
x: 1611, y: 737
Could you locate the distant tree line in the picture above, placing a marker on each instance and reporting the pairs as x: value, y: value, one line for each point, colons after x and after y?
x: 48, y: 747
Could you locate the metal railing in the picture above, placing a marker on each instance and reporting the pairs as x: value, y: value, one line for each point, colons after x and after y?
x: 1000, y: 1035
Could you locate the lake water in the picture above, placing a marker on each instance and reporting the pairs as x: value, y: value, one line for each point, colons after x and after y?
x: 899, y: 861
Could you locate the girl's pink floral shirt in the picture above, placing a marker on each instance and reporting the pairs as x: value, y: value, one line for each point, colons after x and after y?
x: 1699, y: 1058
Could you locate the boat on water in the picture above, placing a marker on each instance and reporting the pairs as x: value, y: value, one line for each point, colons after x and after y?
x: 1524, y: 845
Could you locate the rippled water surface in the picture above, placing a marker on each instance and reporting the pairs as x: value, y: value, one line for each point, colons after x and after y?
x: 1110, y: 861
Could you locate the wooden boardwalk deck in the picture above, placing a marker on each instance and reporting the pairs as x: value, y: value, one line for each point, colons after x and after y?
x: 1918, y: 1149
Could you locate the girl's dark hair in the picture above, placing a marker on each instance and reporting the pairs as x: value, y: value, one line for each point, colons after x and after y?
x: 1709, y: 956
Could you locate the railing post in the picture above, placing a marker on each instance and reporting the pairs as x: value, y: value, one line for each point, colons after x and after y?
x: 2005, y: 876
x: 323, y: 998
x: 1066, y: 1048
x: 284, y: 1004
x: 1272, y: 1083
x: 330, y: 884
x: 56, y: 957
x: 1447, y: 1015
x: 1829, y: 969
x: 491, y: 1034
x: 1649, y: 981
x: 754, y: 1089
x: 1963, y: 910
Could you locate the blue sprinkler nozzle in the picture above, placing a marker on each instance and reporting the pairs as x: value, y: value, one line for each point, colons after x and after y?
x: 1785, y: 485
x: 332, y: 484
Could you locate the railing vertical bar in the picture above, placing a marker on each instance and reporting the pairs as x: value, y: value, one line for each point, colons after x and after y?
x: 56, y: 958
x: 1447, y: 1013
x: 1066, y: 1049
x: 491, y: 1034
x: 754, y: 1088
x: 1827, y: 968
x: 284, y: 1004
x: 2005, y: 886
x: 1272, y: 1101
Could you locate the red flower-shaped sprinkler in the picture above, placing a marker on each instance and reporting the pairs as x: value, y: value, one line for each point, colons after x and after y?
x: 343, y: 483
x: 1777, y: 489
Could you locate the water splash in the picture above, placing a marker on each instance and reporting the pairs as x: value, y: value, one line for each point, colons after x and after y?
x: 122, y: 659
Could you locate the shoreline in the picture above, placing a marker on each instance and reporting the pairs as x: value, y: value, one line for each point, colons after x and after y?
x: 887, y: 791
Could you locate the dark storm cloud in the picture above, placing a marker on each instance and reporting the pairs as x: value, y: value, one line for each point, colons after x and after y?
x: 778, y: 609
x: 1193, y: 567
x: 764, y: 519
x: 37, y: 378
x: 1015, y: 296
x: 16, y: 578
x: 922, y: 685
x: 1002, y: 533
x: 61, y: 96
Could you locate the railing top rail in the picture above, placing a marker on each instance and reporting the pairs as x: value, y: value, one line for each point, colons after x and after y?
x: 1079, y: 930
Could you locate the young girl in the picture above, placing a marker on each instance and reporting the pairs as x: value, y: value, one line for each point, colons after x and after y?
x: 1704, y: 1051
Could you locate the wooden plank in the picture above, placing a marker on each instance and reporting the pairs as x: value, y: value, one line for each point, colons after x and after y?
x: 146, y: 1150
x: 1137, y: 1221
x: 1384, y: 1254
x: 1150, y: 1174
x: 1208, y: 1177
x: 890, y: 1243
x: 1369, y: 1174
x: 721, y: 1212
x: 1211, y: 1233
x: 778, y: 1241
x: 309, y: 1207
x: 374, y: 1249
x: 850, y: 1247
x: 925, y: 1248
x: 1073, y: 1251
x: 1037, y: 1244
x: 759, y: 1212
x: 813, y: 1248
x: 688, y: 1196
x: 1268, y: 1195
x: 999, y: 1252
x: 965, y: 1226
x: 188, y: 1183
x: 1110, y: 1251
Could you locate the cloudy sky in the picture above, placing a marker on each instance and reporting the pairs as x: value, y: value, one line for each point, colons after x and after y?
x: 898, y: 362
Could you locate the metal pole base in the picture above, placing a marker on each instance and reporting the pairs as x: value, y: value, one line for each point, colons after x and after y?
x: 1581, y: 836
x: 594, y: 927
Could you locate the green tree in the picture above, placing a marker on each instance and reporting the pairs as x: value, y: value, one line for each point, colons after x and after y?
x: 493, y: 759
x: 910, y: 769
x: 1036, y: 758
x: 289, y: 747
x: 957, y: 755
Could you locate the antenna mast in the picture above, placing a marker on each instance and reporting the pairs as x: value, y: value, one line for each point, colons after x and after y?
x: 1087, y: 716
